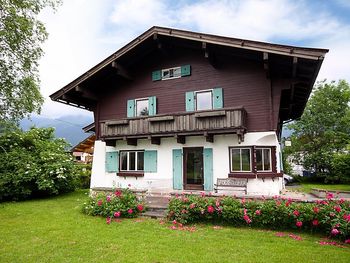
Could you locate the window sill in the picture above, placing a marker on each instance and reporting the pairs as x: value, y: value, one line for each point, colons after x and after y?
x: 255, y: 175
x: 242, y: 175
x: 268, y: 175
x: 130, y: 174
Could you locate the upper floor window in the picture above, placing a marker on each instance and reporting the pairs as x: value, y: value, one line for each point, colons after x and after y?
x: 263, y: 159
x: 204, y: 100
x: 171, y: 73
x: 141, y: 108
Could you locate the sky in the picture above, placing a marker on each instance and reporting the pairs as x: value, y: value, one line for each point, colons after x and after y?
x: 84, y: 32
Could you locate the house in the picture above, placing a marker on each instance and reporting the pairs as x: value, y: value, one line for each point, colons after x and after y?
x: 178, y: 110
x: 84, y: 150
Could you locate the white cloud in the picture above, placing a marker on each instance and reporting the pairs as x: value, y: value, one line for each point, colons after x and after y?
x: 83, y: 32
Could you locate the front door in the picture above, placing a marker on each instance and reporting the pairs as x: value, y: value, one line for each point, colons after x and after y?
x: 193, y: 168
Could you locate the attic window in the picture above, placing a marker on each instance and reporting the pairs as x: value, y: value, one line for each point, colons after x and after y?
x: 171, y: 73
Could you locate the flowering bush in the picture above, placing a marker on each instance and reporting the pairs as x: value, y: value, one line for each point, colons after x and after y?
x: 331, y: 217
x: 122, y: 203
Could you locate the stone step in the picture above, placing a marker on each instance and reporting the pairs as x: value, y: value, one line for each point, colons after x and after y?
x: 154, y: 214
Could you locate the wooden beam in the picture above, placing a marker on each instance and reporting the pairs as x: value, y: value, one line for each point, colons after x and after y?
x: 209, y: 137
x: 295, y: 65
x: 155, y: 140
x: 131, y: 141
x: 121, y: 71
x: 266, y: 64
x: 85, y: 93
x: 180, y: 139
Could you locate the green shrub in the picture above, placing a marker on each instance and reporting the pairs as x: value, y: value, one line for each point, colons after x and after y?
x: 83, y: 175
x: 34, y: 163
x: 341, y: 167
x: 122, y: 203
x: 331, y: 217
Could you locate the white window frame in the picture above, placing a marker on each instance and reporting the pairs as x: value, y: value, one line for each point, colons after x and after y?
x: 203, y: 91
x: 127, y: 160
x: 168, y: 69
x: 240, y: 153
x: 262, y: 159
x: 141, y: 99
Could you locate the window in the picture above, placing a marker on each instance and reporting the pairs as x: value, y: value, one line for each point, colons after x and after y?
x: 131, y: 160
x: 141, y: 107
x: 171, y: 73
x: 241, y: 160
x: 204, y: 100
x: 263, y: 159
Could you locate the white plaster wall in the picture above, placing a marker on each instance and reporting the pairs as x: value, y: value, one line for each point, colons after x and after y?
x: 161, y: 181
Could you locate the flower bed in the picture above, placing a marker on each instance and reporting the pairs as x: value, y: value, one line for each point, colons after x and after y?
x: 331, y: 217
x: 121, y: 203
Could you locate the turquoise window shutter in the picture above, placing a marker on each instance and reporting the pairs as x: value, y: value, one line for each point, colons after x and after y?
x: 177, y: 169
x: 208, y: 169
x: 218, y: 99
x: 150, y: 161
x: 156, y: 75
x: 131, y: 108
x: 112, y: 162
x: 152, y: 105
x: 190, y: 101
x: 185, y: 70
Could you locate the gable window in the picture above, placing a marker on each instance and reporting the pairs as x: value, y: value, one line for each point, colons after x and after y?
x: 131, y: 160
x: 141, y: 108
x: 241, y: 159
x: 171, y: 73
x: 263, y: 159
x: 204, y: 100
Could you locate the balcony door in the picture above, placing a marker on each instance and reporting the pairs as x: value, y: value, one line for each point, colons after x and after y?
x: 193, y: 168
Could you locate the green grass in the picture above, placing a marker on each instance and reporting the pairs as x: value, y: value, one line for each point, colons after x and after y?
x: 306, y: 187
x: 54, y: 230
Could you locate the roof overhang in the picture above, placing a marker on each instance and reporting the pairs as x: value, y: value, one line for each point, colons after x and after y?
x: 76, y: 94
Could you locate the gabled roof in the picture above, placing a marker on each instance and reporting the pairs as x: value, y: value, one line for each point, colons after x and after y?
x: 310, y: 58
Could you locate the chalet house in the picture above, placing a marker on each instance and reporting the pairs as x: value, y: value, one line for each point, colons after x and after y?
x: 180, y: 110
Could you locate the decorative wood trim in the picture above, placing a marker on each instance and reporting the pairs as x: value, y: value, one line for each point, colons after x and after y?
x: 161, y: 118
x: 155, y: 140
x: 210, y: 114
x: 209, y: 137
x: 131, y: 174
x: 242, y: 175
x: 131, y: 141
x: 180, y: 139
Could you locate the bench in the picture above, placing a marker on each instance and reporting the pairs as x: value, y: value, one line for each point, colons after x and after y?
x: 238, y: 184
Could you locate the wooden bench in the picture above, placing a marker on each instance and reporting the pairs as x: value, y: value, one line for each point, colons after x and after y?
x: 239, y: 184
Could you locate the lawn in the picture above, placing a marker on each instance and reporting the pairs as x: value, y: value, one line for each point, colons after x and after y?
x: 54, y: 230
x: 306, y: 187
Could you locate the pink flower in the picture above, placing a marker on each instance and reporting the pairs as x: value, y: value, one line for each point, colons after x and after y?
x: 296, y: 213
x: 202, y: 194
x: 129, y: 185
x: 247, y: 219
x: 278, y: 203
x: 140, y: 208
x: 347, y: 241
x: 279, y: 234
x: 117, y: 214
x: 99, y: 202
x: 108, y: 198
x: 173, y: 227
x: 335, y: 232
x: 258, y: 212
x: 287, y: 204
x: 315, y: 222
x: 337, y: 208
x: 316, y: 209
x: 183, y: 211
x: 329, y: 196
x: 347, y: 217
x: 108, y: 220
x: 299, y: 224
x: 174, y: 222
x: 295, y: 237
x: 118, y: 193
x: 331, y: 214
x: 210, y: 209
x: 185, y: 200
x: 130, y: 211
x: 243, y: 201
x: 180, y: 225
x: 244, y: 211
x: 193, y: 205
x: 217, y: 203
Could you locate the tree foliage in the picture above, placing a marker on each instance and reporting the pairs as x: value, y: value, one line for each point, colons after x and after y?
x: 34, y: 163
x: 21, y: 35
x: 324, y: 129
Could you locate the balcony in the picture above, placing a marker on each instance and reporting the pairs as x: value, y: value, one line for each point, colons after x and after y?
x: 178, y: 125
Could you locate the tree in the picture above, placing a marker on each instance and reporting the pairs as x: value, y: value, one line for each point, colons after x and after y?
x: 21, y: 35
x: 324, y: 128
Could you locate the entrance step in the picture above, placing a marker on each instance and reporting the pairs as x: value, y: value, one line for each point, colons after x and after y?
x: 157, y: 206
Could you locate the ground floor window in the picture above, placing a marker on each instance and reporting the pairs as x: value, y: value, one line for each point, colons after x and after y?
x: 241, y: 159
x: 131, y: 160
x: 263, y: 159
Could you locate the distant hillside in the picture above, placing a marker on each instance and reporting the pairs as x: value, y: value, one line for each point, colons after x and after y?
x: 68, y: 127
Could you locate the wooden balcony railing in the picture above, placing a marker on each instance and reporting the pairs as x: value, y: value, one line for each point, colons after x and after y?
x: 227, y: 120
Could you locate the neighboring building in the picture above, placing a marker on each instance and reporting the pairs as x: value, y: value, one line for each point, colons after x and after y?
x: 84, y: 150
x: 176, y: 110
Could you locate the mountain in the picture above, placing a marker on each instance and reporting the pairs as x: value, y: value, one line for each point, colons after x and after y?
x: 68, y: 127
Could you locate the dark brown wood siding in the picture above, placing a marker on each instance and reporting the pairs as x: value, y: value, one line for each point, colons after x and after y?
x: 244, y: 83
